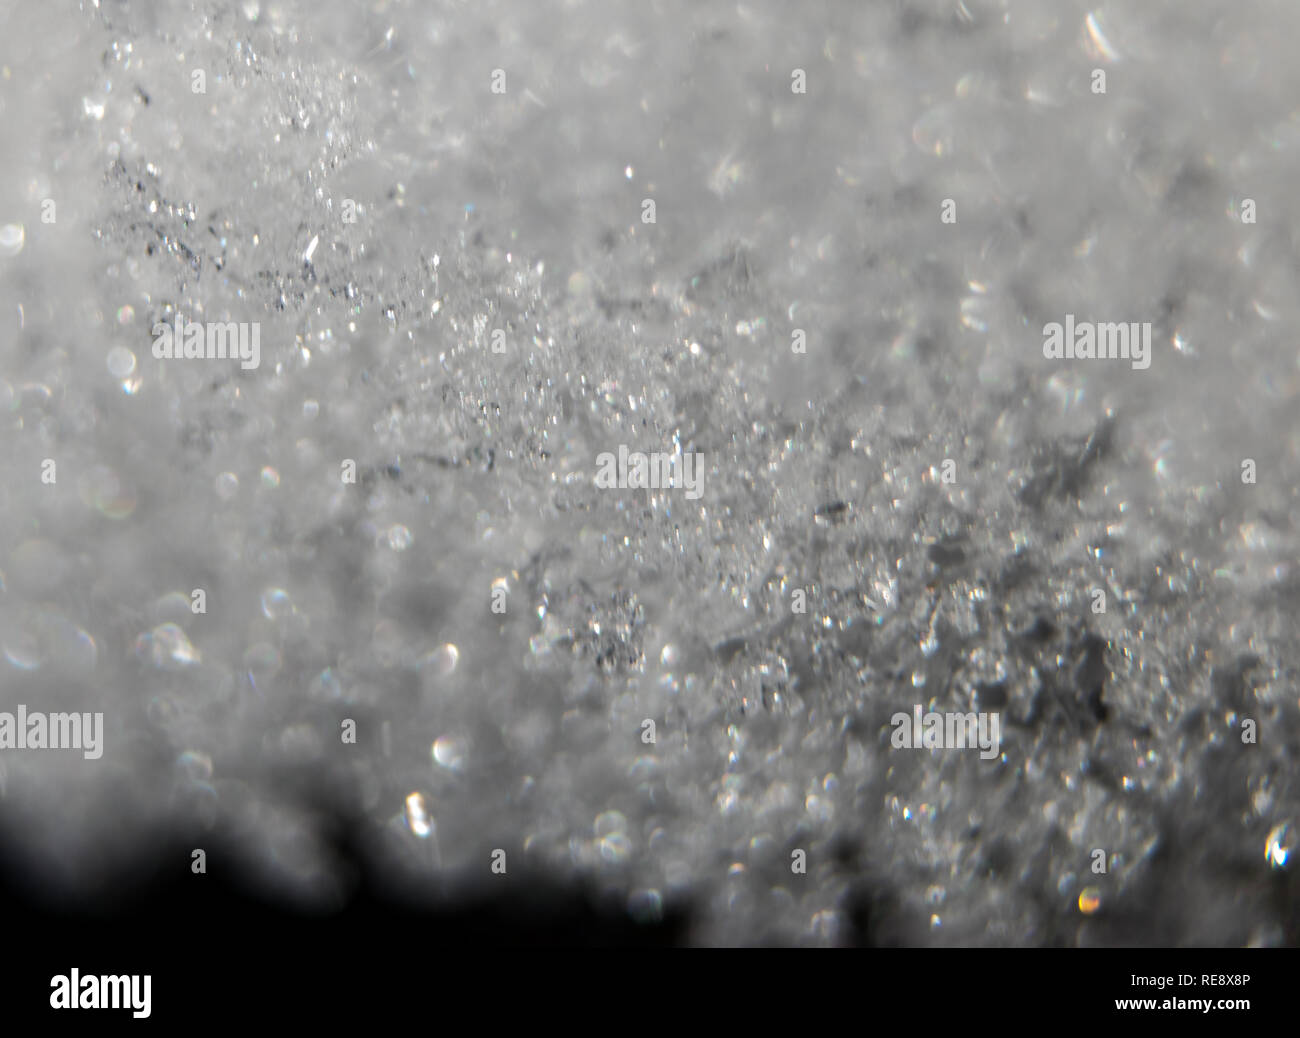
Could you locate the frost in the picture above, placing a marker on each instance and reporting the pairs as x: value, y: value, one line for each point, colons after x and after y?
x: 497, y: 315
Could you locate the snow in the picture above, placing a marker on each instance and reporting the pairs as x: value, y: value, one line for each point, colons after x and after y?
x: 823, y: 471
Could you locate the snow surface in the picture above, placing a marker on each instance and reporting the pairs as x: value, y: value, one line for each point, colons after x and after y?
x: 823, y: 471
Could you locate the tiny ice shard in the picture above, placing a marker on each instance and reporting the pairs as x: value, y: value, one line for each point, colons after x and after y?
x: 1279, y: 845
x: 417, y: 816
x: 167, y: 647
